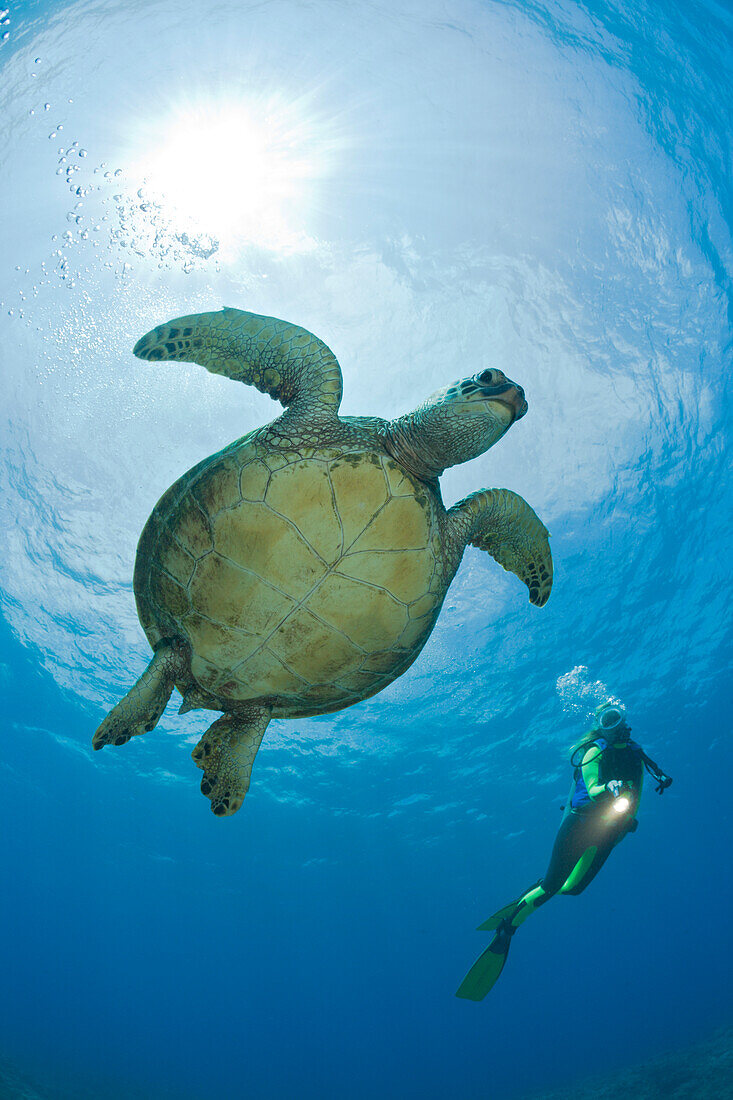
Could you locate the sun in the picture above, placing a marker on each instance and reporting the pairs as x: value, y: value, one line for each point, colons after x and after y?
x: 235, y: 171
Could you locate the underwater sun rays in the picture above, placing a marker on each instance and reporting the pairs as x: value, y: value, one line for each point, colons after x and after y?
x: 244, y: 172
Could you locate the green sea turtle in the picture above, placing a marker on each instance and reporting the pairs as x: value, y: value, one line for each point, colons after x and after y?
x: 302, y: 568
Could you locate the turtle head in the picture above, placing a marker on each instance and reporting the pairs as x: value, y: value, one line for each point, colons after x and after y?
x: 456, y: 423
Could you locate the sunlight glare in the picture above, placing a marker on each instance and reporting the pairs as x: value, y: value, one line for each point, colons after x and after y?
x: 234, y: 174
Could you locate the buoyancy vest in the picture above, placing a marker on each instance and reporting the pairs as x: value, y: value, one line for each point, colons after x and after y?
x: 624, y: 762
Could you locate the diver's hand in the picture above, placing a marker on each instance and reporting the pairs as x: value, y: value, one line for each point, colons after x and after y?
x: 614, y: 787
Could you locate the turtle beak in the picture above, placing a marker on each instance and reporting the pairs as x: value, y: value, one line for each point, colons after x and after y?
x: 495, y: 386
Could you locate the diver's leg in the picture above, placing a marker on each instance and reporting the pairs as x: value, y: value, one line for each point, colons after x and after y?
x: 600, y: 845
x: 485, y: 972
x: 140, y: 710
x: 570, y: 843
x: 226, y: 753
x: 567, y: 849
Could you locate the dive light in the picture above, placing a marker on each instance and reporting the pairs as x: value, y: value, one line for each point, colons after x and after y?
x: 621, y: 802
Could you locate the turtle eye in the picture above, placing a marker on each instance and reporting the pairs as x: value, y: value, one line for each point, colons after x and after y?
x: 488, y: 377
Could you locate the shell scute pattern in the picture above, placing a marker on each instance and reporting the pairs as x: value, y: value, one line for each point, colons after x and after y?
x: 328, y: 652
x: 174, y: 559
x: 253, y: 480
x: 192, y: 528
x: 406, y: 579
x: 302, y: 494
x: 269, y: 546
x: 168, y: 594
x: 400, y: 525
x: 266, y: 677
x: 365, y: 617
x: 220, y: 643
x: 303, y: 580
x: 415, y: 630
x: 358, y: 499
x: 237, y: 598
x: 220, y: 488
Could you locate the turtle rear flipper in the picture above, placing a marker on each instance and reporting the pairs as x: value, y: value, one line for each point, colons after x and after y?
x: 226, y: 754
x: 503, y: 524
x: 285, y: 361
x: 140, y: 710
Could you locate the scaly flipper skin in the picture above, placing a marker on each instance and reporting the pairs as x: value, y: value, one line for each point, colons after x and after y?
x: 285, y: 361
x: 226, y: 754
x: 141, y: 708
x: 502, y: 523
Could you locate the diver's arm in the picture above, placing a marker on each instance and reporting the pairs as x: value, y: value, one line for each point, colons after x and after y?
x: 661, y: 778
x: 591, y: 775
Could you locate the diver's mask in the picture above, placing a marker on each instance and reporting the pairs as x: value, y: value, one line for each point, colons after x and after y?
x: 611, y: 720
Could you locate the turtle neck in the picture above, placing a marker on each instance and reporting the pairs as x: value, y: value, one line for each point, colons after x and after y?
x: 405, y: 440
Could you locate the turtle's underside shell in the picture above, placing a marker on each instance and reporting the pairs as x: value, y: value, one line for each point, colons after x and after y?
x: 307, y: 582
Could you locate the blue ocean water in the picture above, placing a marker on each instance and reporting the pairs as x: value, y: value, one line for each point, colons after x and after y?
x: 432, y: 188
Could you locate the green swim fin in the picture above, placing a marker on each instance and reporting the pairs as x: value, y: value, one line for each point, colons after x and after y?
x: 502, y: 914
x: 507, y: 912
x: 485, y: 972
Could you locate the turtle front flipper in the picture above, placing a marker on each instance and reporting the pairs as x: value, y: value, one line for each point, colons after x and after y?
x: 140, y: 710
x: 502, y: 523
x: 285, y: 361
x: 226, y: 754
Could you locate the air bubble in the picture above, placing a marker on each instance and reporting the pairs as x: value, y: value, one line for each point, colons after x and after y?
x: 82, y: 152
x: 47, y: 106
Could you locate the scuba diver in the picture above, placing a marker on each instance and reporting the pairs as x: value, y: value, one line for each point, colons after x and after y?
x: 604, y: 798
